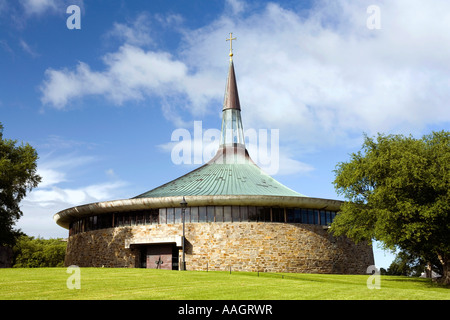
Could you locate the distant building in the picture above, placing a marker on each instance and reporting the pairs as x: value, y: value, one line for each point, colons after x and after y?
x: 236, y: 216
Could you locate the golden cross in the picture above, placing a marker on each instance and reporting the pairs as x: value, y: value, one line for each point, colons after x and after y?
x: 231, y: 44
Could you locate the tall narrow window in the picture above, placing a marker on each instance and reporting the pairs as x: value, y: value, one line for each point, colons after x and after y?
x: 194, y: 214
x: 210, y: 213
x: 305, y: 216
x: 163, y: 216
x: 277, y: 215
x: 323, y: 218
x: 126, y: 218
x: 333, y: 215
x: 244, y: 214
x: 154, y: 216
x: 290, y: 215
x: 187, y: 215
x: 227, y: 214
x: 170, y: 215
x: 219, y: 214
x: 178, y: 215
x: 252, y: 214
x: 235, y: 213
x: 328, y: 218
x: 201, y: 214
x: 140, y: 218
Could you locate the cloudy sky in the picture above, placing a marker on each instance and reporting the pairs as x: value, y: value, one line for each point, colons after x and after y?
x: 101, y: 103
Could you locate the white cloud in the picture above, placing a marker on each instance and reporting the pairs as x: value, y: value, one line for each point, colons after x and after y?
x: 26, y: 47
x: 56, y: 170
x: 138, y: 33
x: 131, y: 74
x: 236, y: 6
x: 319, y: 75
x: 39, y: 6
x: 41, y: 204
x: 52, y: 195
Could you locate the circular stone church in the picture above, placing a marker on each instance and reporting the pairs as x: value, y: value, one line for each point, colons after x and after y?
x: 226, y: 214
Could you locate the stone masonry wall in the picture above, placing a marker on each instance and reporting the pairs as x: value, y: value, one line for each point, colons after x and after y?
x: 247, y: 246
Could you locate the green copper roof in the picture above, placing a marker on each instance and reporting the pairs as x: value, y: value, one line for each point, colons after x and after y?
x: 223, y: 179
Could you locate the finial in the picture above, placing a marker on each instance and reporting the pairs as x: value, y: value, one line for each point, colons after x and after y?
x: 231, y: 45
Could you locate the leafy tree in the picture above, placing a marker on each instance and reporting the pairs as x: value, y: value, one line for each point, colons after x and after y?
x: 406, y: 264
x: 35, y: 253
x: 17, y: 177
x: 398, y: 192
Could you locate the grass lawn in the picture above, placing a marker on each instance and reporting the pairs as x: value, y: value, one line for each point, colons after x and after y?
x: 99, y: 283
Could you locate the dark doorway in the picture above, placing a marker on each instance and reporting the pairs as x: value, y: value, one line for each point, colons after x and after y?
x: 159, y: 256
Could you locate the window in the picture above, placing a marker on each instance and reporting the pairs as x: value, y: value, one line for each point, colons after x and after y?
x: 219, y: 214
x: 210, y: 213
x: 227, y: 214
x: 290, y: 215
x: 140, y: 218
x: 304, y: 216
x: 154, y: 215
x: 162, y: 216
x: 311, y: 217
x: 277, y: 215
x: 333, y: 215
x: 202, y: 214
x: 263, y: 214
x: 297, y: 215
x: 194, y: 214
x: 252, y: 216
x: 328, y: 218
x: 147, y: 217
x: 316, y: 217
x: 187, y: 215
x: 235, y: 213
x: 178, y: 218
x: 170, y: 215
x: 323, y: 219
x: 244, y: 214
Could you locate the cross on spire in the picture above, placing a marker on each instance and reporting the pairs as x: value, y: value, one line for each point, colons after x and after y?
x: 231, y: 44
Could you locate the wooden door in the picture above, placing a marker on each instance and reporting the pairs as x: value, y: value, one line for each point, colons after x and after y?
x: 159, y: 256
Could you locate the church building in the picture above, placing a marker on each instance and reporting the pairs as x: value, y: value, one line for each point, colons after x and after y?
x: 225, y: 214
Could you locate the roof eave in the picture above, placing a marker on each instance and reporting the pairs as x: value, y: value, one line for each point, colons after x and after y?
x: 64, y: 217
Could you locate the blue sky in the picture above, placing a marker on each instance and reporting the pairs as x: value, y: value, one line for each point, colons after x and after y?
x: 100, y: 104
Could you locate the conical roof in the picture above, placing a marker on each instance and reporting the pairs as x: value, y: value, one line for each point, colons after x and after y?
x: 231, y: 100
x: 240, y: 176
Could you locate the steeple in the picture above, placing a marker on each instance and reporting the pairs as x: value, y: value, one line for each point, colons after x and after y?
x: 232, y: 133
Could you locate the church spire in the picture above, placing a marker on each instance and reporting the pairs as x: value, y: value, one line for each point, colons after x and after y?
x: 232, y: 133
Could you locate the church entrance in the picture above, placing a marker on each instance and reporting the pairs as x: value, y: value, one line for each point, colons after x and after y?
x: 159, y: 256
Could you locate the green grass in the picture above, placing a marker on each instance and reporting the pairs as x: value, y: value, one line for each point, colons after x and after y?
x: 98, y: 283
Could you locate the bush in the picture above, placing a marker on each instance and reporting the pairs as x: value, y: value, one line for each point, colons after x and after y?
x: 34, y: 253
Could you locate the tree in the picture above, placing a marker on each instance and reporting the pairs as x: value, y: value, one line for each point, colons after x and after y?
x: 34, y: 253
x: 406, y: 264
x: 17, y: 177
x: 398, y: 192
